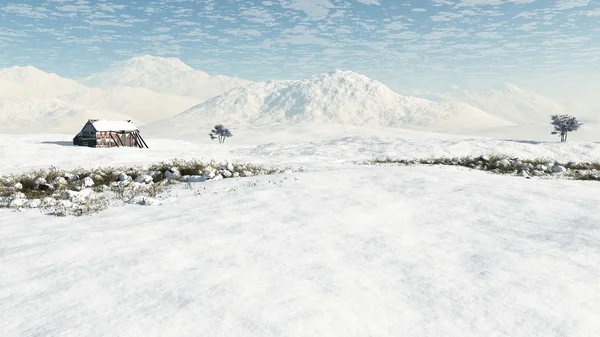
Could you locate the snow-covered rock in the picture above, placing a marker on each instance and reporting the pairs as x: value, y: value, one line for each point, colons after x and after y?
x: 17, y: 186
x: 33, y: 203
x: 123, y: 177
x: 558, y: 169
x: 503, y: 163
x: 172, y: 174
x: 226, y: 173
x: 209, y: 174
x: 60, y: 181
x: 48, y: 201
x: 145, y: 179
x: 17, y: 203
x: 196, y: 178
x: 87, y: 182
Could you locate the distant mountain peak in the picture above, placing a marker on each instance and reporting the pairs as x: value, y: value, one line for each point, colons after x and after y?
x: 152, y: 63
x: 164, y: 75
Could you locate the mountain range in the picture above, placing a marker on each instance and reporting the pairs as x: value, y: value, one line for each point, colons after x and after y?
x: 164, y: 94
x: 338, y: 97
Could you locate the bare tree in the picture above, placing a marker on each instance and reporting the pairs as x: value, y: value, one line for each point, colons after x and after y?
x: 564, y: 124
x: 220, y: 132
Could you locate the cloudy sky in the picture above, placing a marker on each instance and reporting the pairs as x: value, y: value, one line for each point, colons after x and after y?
x: 425, y: 44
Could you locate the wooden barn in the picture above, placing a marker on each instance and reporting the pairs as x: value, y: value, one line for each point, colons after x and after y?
x: 100, y: 133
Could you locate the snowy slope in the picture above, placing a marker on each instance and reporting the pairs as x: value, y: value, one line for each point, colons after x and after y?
x: 30, y: 82
x: 357, y: 251
x: 141, y: 104
x: 166, y: 75
x: 48, y: 116
x: 342, y: 97
x: 509, y: 102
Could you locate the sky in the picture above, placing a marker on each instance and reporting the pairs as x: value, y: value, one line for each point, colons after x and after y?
x: 552, y: 46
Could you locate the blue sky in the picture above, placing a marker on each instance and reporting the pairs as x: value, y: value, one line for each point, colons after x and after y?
x: 405, y: 44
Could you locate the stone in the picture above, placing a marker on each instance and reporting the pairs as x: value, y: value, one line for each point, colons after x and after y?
x: 87, y: 182
x: 559, y: 169
x: 144, y: 179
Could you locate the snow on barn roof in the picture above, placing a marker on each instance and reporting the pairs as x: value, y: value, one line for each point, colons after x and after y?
x: 102, y: 126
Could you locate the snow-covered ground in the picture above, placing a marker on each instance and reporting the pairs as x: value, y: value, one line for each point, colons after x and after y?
x: 339, y: 250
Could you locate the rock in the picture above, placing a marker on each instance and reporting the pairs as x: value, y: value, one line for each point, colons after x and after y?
x: 17, y: 203
x: 197, y: 179
x: 523, y: 174
x: 69, y: 194
x: 5, y: 201
x: 229, y: 167
x: 209, y: 174
x: 34, y: 203
x: 236, y: 174
x: 60, y: 181
x: 123, y: 177
x: 559, y: 169
x: 144, y: 179
x: 247, y: 173
x: 217, y: 177
x: 541, y: 167
x: 18, y: 186
x: 87, y: 182
x: 71, y: 177
x: 226, y: 173
x: 48, y: 201
x: 503, y: 163
x: 40, y: 181
x: 155, y: 175
x: 172, y: 174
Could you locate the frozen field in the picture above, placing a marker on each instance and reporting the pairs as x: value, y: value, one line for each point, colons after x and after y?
x: 339, y: 250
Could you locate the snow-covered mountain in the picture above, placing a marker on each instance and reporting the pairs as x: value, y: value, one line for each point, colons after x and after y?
x: 506, y: 101
x: 165, y: 75
x: 340, y: 97
x: 141, y: 104
x: 30, y: 82
x: 48, y: 116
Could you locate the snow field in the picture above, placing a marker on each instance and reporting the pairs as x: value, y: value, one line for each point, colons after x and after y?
x: 417, y: 251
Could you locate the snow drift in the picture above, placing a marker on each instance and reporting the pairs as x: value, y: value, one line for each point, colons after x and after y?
x: 341, y: 97
x: 166, y: 75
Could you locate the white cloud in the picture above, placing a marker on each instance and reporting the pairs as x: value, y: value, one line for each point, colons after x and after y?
x: 370, y: 2
x: 568, y: 4
x: 315, y: 9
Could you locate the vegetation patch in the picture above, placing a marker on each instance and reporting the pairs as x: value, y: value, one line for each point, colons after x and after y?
x: 86, y: 191
x: 528, y: 168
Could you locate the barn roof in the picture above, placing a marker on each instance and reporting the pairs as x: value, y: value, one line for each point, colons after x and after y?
x: 103, y: 126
